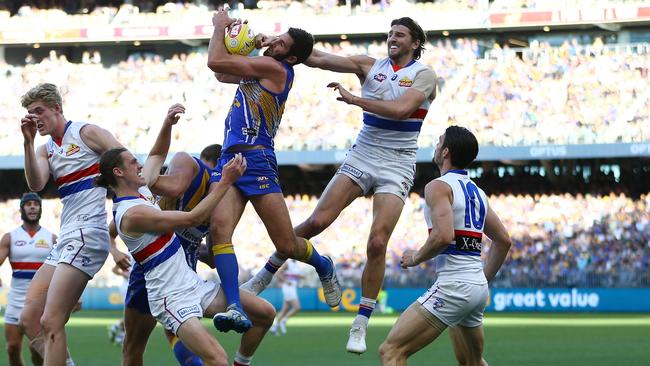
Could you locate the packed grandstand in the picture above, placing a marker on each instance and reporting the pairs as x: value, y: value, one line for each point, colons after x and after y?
x: 573, y: 88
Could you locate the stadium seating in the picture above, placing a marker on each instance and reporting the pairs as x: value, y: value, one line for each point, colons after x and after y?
x: 554, y: 96
x: 559, y: 240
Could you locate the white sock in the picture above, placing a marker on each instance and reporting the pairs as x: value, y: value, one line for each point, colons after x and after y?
x: 69, y: 362
x: 361, y: 320
x: 243, y: 360
x: 277, y: 262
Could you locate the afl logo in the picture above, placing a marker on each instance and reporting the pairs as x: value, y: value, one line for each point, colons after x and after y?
x: 20, y: 243
x: 380, y: 77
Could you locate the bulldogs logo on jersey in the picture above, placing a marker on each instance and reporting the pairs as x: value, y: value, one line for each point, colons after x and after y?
x: 405, y: 82
x: 380, y: 77
x: 20, y: 243
x: 41, y: 244
x: 72, y: 149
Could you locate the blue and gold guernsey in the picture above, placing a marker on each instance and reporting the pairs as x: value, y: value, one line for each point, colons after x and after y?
x: 199, y: 188
x: 255, y: 113
x: 253, y: 121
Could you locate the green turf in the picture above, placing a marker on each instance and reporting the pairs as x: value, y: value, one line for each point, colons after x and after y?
x: 319, y: 339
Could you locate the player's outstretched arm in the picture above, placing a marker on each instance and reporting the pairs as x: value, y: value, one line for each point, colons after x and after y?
x: 160, y: 148
x: 98, y: 139
x: 359, y: 64
x: 402, y: 108
x: 501, y: 243
x: 143, y: 219
x: 439, y: 197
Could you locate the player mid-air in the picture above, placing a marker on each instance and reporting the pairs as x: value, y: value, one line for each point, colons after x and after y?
x: 252, y: 122
x: 396, y: 93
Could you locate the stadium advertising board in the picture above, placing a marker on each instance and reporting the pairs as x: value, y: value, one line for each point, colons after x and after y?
x: 398, y: 299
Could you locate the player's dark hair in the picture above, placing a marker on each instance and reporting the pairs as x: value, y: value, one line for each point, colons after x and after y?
x: 416, y: 33
x: 462, y: 145
x: 303, y: 44
x: 110, y: 159
x: 211, y: 153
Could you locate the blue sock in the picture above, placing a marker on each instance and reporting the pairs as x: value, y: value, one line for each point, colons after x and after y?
x: 225, y: 261
x: 323, y: 266
x: 366, y: 306
x: 184, y: 356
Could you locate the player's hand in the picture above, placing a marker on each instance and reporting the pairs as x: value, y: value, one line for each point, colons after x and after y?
x: 262, y: 40
x: 28, y: 127
x: 346, y: 96
x: 174, y: 113
x: 408, y: 259
x: 221, y: 19
x: 234, y: 169
x: 122, y: 260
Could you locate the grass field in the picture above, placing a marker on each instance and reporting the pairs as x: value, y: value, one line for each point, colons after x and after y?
x: 319, y: 339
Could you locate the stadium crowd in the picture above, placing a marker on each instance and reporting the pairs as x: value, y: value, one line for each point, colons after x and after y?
x: 559, y: 240
x: 549, y: 95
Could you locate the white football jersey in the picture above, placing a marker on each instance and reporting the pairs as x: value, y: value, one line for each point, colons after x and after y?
x: 386, y: 81
x: 293, y: 273
x: 74, y: 166
x: 28, y: 251
x: 461, y: 261
x: 160, y: 255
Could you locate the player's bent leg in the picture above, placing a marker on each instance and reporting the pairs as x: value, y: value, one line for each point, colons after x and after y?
x: 37, y: 359
x: 340, y: 192
x: 200, y: 341
x: 338, y: 195
x: 414, y: 329
x: 65, y: 290
x: 30, y: 317
x: 137, y: 329
x: 471, y: 340
x: 223, y: 221
x: 14, y: 346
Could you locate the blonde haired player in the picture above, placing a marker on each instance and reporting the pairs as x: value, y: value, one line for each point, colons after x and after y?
x: 458, y: 214
x: 26, y: 246
x: 71, y: 156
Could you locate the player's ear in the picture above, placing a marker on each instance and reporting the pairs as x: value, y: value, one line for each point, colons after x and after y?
x: 291, y: 59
